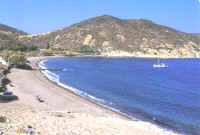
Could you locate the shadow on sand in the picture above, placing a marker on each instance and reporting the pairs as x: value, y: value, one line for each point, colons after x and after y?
x: 7, y: 99
x: 25, y: 67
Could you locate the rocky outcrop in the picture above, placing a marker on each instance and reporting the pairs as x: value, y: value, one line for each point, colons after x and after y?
x: 189, y: 50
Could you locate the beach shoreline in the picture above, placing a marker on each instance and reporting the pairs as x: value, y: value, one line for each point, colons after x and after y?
x: 68, y: 101
x: 27, y: 84
x: 108, y: 111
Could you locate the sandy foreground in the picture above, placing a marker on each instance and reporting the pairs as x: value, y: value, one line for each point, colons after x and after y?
x: 62, y: 113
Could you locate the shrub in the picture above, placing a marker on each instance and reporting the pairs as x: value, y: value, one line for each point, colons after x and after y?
x: 6, y: 54
x: 84, y: 49
x: 24, y: 48
x: 19, y: 47
x: 17, y: 59
x: 47, y: 53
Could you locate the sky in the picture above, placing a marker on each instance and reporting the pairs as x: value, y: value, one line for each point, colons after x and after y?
x: 39, y: 16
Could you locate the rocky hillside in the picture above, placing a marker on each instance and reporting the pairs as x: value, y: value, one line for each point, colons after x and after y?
x: 8, y: 36
x: 113, y: 36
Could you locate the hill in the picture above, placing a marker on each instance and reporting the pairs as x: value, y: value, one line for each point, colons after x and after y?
x: 8, y: 36
x: 113, y: 36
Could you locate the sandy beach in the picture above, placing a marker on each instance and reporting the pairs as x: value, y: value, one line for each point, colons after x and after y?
x: 62, y: 112
x: 31, y: 83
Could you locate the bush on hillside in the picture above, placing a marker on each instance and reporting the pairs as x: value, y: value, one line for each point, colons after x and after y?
x: 19, y: 47
x: 84, y: 49
x: 25, y: 48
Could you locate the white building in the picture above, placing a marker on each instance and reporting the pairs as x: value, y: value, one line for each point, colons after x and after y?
x: 2, y: 61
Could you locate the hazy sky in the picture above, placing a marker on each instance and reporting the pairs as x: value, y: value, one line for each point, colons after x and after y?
x: 36, y: 16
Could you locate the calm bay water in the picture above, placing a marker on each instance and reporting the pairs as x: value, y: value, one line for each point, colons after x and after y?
x: 170, y: 96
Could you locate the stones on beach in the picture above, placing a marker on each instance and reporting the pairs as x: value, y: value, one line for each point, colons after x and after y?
x: 29, y: 121
x: 3, y: 119
x: 61, y: 115
x: 27, y: 130
x: 39, y: 99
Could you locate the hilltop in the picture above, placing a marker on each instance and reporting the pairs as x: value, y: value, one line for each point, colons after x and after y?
x: 112, y: 36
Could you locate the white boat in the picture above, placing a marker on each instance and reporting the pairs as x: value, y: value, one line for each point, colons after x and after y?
x: 160, y: 65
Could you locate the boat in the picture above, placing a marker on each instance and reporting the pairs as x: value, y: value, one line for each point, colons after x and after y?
x: 160, y: 65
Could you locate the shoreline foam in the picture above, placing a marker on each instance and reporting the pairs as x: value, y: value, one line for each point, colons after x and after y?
x: 50, y: 75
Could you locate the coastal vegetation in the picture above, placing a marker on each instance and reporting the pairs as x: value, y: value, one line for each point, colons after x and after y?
x: 84, y: 49
x: 17, y: 59
x: 58, y: 52
x: 3, y: 79
x: 14, y: 58
x: 24, y: 48
x: 20, y: 47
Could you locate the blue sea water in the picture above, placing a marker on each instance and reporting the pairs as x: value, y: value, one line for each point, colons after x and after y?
x: 166, y: 96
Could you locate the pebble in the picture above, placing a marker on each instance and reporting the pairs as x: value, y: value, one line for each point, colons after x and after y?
x: 43, y: 123
x: 3, y: 119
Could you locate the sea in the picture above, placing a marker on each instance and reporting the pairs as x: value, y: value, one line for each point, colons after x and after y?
x: 168, y: 97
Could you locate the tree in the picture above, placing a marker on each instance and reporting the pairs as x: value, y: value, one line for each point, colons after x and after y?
x: 6, y: 54
x: 25, y: 48
x: 17, y: 59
